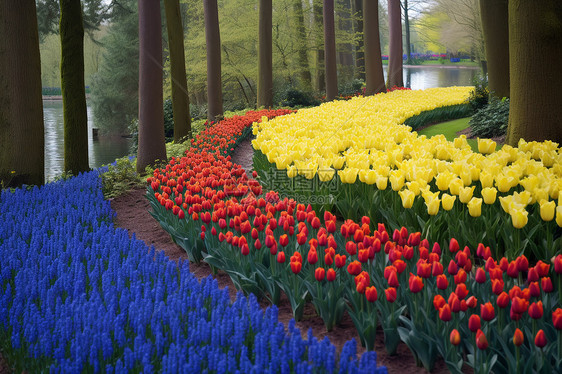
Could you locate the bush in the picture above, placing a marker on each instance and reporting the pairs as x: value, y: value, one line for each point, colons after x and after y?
x: 296, y: 99
x: 491, y: 121
x: 479, y: 97
x: 168, y: 119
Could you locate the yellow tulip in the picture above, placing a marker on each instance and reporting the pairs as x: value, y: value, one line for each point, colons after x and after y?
x: 348, y: 175
x: 414, y: 186
x: 432, y: 206
x: 504, y: 182
x: 443, y: 180
x: 448, y: 201
x: 292, y: 171
x: 489, y: 194
x: 368, y: 176
x: 455, y: 186
x: 486, y: 146
x: 559, y: 215
x: 475, y: 207
x: 465, y: 194
x: 382, y: 182
x: 396, y: 181
x: 407, y: 197
x: 519, y: 218
x: 486, y: 179
x: 460, y: 142
x: 338, y: 162
x: 326, y: 175
x: 547, y: 210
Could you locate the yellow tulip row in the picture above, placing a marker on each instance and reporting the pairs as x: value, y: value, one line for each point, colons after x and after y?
x: 364, y: 138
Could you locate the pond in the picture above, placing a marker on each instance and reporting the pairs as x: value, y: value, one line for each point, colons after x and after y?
x: 422, y: 77
x: 101, y: 151
x: 105, y: 150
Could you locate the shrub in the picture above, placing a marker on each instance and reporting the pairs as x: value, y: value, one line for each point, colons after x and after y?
x: 479, y: 97
x: 295, y: 98
x: 491, y: 121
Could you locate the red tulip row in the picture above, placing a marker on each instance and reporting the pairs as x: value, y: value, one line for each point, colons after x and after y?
x: 435, y: 300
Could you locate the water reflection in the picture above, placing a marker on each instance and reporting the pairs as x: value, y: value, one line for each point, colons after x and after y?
x: 101, y: 151
x: 422, y: 77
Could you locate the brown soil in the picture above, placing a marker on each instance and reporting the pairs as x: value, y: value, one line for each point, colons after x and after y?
x: 498, y: 139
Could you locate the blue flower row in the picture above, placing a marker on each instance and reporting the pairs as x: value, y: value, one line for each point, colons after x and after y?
x: 77, y: 295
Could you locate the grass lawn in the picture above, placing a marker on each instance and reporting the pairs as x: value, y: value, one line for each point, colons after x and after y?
x: 450, y: 129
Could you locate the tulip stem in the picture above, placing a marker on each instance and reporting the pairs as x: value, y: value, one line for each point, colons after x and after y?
x: 559, y: 346
x: 517, y: 357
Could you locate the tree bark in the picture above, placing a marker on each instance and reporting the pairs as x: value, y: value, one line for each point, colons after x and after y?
x: 180, y: 96
x: 373, y: 61
x: 152, y: 144
x: 395, y: 64
x: 22, y: 139
x: 535, y: 49
x: 302, y: 49
x: 407, y: 32
x: 73, y: 88
x: 359, y: 46
x: 494, y: 14
x: 330, y: 51
x: 214, y: 80
x: 265, y: 66
x: 320, y: 78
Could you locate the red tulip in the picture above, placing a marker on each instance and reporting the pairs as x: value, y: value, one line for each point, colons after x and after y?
x: 474, y: 323
x: 534, y: 289
x: 371, y: 294
x: 557, y: 319
x: 453, y: 245
x: 503, y: 300
x: 312, y: 257
x: 504, y: 264
x: 340, y: 261
x: 497, y: 286
x: 436, y: 268
x: 461, y: 291
x: 542, y: 268
x: 480, y: 276
x: 331, y: 275
x: 363, y: 255
x: 461, y: 259
x: 354, y: 268
x: 319, y: 274
x: 540, y: 339
x: 358, y: 236
x: 487, y: 311
x: 533, y: 275
x: 393, y: 279
x: 331, y: 226
x: 519, y: 305
x: 481, y: 341
x: 284, y: 240
x: 460, y: 277
x: 296, y: 267
x: 445, y: 313
x: 423, y: 269
x: 536, y: 310
x: 442, y: 282
x: 315, y: 223
x: 416, y: 283
x: 518, y: 338
x: 512, y: 269
x: 471, y: 302
x: 452, y: 268
x: 273, y: 249
x: 546, y: 284
x: 281, y: 257
x: 391, y: 295
x: 438, y: 302
x: 558, y: 264
x: 455, y: 337
x: 351, y: 248
x: 522, y: 263
x: 399, y: 265
x: 245, y: 250
x: 328, y: 259
x: 257, y: 243
x: 454, y: 303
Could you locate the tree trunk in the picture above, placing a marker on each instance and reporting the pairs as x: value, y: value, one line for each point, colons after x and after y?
x: 152, y: 144
x: 214, y: 80
x: 320, y: 78
x: 373, y: 61
x: 535, y: 49
x: 407, y: 31
x: 330, y: 51
x: 345, y: 49
x: 180, y: 96
x: 359, y: 46
x: 22, y: 144
x: 302, y: 49
x: 395, y: 45
x: 73, y: 88
x: 494, y: 14
x: 265, y: 66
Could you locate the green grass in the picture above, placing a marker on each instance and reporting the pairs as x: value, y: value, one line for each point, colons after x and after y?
x: 450, y: 129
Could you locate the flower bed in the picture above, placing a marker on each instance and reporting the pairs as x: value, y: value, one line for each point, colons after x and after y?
x: 78, y: 295
x: 341, y: 150
x: 459, y: 302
